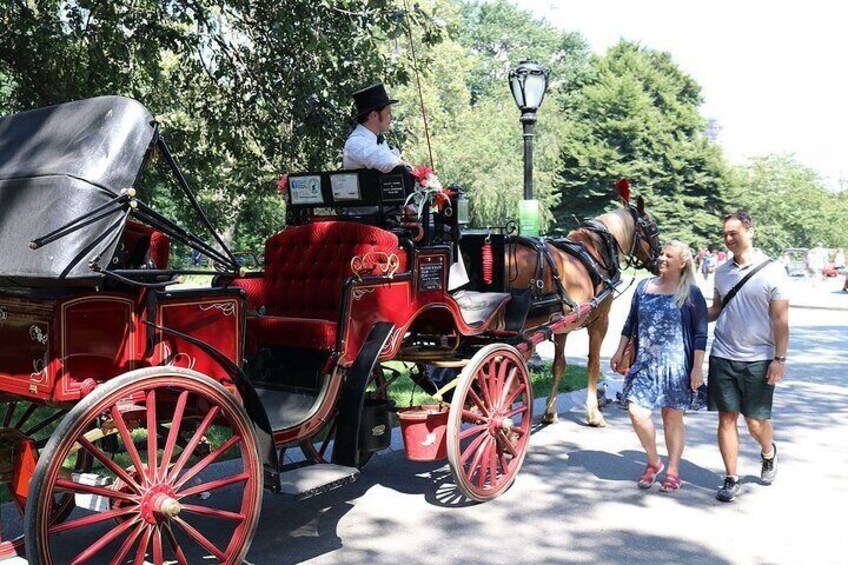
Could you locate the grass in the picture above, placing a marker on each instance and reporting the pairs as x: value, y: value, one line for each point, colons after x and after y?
x: 406, y: 393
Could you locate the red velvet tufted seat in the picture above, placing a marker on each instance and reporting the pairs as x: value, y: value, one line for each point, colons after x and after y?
x: 300, y: 295
x: 144, y: 243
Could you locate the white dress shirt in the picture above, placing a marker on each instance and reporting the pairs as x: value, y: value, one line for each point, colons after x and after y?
x: 361, y: 151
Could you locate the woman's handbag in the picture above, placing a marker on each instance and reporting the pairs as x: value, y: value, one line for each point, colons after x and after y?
x: 627, y: 357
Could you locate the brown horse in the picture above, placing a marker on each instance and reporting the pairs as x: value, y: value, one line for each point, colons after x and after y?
x: 629, y: 234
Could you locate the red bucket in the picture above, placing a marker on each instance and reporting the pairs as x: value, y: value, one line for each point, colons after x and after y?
x: 423, y: 429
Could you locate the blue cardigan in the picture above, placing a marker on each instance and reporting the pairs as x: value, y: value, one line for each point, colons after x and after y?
x: 693, y: 317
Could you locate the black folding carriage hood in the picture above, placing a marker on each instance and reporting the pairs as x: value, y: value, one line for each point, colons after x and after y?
x: 56, y: 165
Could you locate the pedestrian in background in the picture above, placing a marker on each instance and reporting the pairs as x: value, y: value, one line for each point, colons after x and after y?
x: 749, y: 350
x: 668, y: 319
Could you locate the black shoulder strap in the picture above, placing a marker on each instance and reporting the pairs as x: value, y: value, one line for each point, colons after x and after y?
x: 729, y: 296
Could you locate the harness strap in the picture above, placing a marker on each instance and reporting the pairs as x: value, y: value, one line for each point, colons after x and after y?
x: 543, y: 255
x: 609, y: 249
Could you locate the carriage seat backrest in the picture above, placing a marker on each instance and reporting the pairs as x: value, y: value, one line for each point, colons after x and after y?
x: 306, y: 266
x: 143, y: 246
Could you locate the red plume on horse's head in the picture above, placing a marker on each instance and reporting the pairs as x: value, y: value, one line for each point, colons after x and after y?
x: 623, y: 186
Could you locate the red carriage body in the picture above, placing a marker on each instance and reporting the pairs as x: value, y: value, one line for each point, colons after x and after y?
x: 124, y: 403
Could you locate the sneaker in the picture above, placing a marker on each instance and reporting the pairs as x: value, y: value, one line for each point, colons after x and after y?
x: 769, y: 469
x: 731, y: 488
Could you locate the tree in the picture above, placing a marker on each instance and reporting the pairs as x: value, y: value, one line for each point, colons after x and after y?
x: 247, y: 89
x: 637, y: 117
x: 790, y: 206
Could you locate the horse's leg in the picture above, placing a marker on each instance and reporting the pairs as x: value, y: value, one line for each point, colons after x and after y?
x: 550, y: 415
x: 597, y: 331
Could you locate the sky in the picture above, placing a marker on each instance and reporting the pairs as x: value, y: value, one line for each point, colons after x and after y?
x: 774, y: 74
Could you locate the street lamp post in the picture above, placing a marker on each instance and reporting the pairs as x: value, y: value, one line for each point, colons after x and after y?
x: 528, y: 82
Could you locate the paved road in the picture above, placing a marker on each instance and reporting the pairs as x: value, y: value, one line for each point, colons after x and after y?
x: 575, y: 500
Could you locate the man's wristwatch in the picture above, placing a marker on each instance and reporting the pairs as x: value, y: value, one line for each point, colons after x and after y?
x: 780, y: 359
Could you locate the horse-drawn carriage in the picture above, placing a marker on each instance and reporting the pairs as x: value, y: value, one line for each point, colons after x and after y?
x: 143, y: 421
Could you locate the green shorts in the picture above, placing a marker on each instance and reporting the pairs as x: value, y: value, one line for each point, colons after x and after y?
x: 740, y: 386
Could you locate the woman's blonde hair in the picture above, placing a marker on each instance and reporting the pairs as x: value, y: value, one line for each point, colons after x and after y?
x: 687, y: 274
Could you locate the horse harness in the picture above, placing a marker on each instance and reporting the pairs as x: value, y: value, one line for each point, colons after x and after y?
x: 606, y: 273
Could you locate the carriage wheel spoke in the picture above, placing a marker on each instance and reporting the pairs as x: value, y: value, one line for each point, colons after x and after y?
x: 507, y: 386
x: 173, y: 433
x: 141, y: 552
x: 480, y: 404
x: 212, y: 485
x: 102, y: 542
x: 493, y: 465
x: 91, y: 519
x: 515, y: 394
x: 129, y: 444
x: 172, y: 541
x: 206, y: 461
x: 91, y: 489
x: 195, y: 440
x: 473, y: 446
x: 200, y: 539
x: 471, y: 431
x: 482, y: 464
x: 517, y: 411
x: 469, y: 416
x: 499, y: 383
x: 504, y: 442
x: 158, y: 555
x: 478, y: 456
x: 124, y: 550
x: 213, y: 512
x: 152, y: 436
x: 109, y: 463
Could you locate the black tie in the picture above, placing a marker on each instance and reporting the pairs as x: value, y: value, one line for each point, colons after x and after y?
x: 380, y: 139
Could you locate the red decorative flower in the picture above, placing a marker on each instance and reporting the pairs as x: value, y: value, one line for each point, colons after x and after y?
x: 283, y: 184
x: 623, y: 186
x: 423, y: 174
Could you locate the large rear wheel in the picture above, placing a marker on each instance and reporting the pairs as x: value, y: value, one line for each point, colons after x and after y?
x: 489, y: 422
x: 176, y: 475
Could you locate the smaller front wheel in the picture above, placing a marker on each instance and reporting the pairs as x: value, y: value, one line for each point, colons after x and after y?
x: 489, y: 422
x: 176, y: 475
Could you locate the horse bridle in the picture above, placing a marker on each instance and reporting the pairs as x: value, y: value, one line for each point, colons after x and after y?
x: 648, y: 232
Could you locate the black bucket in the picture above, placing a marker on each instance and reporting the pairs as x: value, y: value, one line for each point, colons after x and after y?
x: 375, y: 430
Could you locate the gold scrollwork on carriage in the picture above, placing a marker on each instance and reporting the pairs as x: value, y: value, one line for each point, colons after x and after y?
x: 358, y: 293
x: 375, y: 262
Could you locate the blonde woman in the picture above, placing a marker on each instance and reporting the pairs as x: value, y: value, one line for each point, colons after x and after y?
x: 668, y: 320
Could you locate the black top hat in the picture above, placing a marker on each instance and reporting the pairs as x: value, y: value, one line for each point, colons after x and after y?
x: 370, y: 99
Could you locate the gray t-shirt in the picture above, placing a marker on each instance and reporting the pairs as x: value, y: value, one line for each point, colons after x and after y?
x: 745, y: 328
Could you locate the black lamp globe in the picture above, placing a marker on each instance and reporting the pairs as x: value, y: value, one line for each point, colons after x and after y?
x: 528, y: 82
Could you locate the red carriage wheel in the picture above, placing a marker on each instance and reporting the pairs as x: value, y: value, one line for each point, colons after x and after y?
x: 25, y: 428
x: 176, y: 475
x: 489, y: 422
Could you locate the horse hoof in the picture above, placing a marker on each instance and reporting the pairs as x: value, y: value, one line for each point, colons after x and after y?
x: 597, y: 421
x: 550, y: 418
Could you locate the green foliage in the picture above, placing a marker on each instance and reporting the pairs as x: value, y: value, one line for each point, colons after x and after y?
x: 789, y: 204
x: 246, y: 89
x: 637, y: 117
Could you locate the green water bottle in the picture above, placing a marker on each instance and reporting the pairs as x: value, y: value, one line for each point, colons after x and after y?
x: 528, y: 218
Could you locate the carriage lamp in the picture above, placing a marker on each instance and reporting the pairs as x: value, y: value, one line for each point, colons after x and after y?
x: 528, y: 82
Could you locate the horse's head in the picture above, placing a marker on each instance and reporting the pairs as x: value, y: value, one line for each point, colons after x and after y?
x: 645, y: 251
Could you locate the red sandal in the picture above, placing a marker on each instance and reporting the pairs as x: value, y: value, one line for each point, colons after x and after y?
x: 671, y: 483
x: 649, y: 476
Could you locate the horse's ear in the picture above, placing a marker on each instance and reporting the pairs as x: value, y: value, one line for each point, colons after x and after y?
x: 640, y: 205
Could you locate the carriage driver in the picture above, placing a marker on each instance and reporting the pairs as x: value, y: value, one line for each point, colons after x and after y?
x: 366, y: 148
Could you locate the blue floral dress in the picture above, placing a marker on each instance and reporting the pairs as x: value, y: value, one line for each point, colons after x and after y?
x: 658, y: 378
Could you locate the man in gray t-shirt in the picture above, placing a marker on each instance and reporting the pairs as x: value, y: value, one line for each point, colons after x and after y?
x: 749, y: 350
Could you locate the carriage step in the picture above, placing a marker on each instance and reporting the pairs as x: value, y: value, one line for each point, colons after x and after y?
x: 312, y: 480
